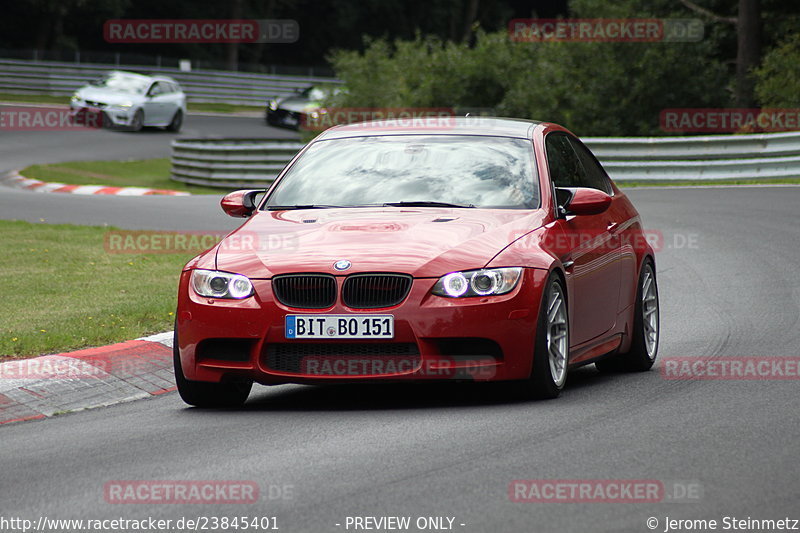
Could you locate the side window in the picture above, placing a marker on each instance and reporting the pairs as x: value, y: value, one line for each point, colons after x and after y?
x: 155, y: 89
x: 565, y: 168
x: 594, y: 175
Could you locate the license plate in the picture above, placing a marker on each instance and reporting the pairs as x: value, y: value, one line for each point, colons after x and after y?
x: 339, y: 327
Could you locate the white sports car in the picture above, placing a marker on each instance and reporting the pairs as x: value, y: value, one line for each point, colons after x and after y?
x: 133, y: 101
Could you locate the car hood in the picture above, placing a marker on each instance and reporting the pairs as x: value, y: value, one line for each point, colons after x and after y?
x: 423, y: 242
x: 107, y: 96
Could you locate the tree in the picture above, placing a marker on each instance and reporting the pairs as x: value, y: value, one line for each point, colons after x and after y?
x: 748, y: 50
x: 232, y: 55
x: 778, y: 79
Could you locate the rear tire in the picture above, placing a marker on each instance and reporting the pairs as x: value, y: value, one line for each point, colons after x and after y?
x: 646, y: 328
x: 551, y: 356
x: 177, y: 122
x: 203, y: 394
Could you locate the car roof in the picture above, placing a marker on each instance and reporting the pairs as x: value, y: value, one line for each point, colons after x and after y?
x: 140, y: 75
x: 445, y: 125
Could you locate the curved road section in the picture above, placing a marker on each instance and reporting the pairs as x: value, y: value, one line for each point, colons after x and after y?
x: 470, y: 458
x: 19, y: 149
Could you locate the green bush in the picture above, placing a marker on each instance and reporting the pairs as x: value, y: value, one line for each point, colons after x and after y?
x: 591, y: 88
x: 778, y: 79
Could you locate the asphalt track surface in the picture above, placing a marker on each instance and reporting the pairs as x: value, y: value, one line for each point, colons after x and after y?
x: 729, y: 287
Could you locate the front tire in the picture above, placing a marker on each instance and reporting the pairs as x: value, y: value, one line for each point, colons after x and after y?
x: 551, y: 358
x: 203, y: 394
x: 107, y: 123
x: 138, y: 120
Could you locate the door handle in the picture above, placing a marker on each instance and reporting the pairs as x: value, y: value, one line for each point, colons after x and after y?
x: 612, y: 227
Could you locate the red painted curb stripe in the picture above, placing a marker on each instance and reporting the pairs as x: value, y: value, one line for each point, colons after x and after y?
x: 66, y: 188
x: 18, y: 412
x: 17, y: 178
x: 161, y: 191
x: 138, y: 359
x: 129, y: 356
x: 86, y: 353
x: 23, y: 419
x: 108, y: 190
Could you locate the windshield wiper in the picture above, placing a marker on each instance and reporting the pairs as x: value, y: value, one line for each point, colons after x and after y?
x: 422, y: 203
x: 307, y: 206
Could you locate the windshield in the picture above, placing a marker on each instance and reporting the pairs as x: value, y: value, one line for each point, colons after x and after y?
x: 463, y: 170
x: 123, y: 83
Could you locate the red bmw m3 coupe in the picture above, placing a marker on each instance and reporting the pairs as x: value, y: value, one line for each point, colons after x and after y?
x: 478, y: 249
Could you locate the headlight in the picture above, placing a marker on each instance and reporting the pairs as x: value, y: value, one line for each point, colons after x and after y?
x: 213, y: 284
x: 273, y: 104
x: 484, y: 282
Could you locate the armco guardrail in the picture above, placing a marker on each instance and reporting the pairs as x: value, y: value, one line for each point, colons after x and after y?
x: 255, y: 162
x: 231, y: 163
x: 711, y: 157
x: 62, y: 79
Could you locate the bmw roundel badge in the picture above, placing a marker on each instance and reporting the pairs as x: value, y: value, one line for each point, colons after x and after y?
x: 342, y: 264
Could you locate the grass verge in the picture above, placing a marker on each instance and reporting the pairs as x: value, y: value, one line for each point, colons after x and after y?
x: 151, y: 173
x: 69, y: 292
x: 200, y: 107
x: 231, y: 109
x: 34, y: 98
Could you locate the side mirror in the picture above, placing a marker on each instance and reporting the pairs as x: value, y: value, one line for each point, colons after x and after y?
x: 240, y: 204
x: 582, y: 201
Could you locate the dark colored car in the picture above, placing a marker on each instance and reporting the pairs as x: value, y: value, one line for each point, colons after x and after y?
x: 292, y: 111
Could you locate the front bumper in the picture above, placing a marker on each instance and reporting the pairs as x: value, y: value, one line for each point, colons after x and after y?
x: 284, y: 118
x: 114, y: 116
x: 476, y: 339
